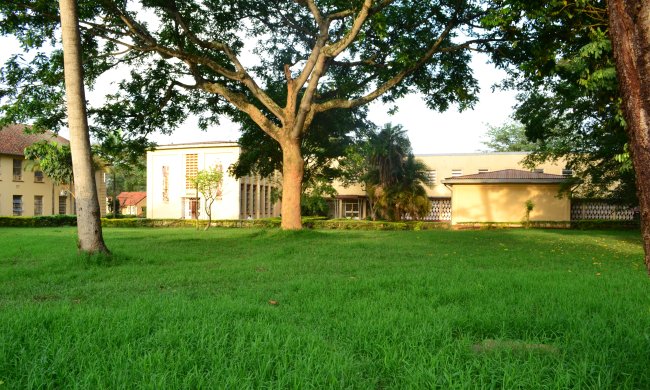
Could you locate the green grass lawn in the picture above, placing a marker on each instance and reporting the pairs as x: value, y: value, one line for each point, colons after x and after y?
x: 243, y: 308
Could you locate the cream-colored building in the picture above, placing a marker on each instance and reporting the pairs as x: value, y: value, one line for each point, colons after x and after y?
x: 170, y: 193
x: 480, y: 201
x: 508, y: 195
x: 467, y: 187
x: 27, y: 192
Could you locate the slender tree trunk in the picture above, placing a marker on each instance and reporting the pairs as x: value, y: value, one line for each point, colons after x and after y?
x: 89, y: 226
x: 208, y: 212
x: 292, y: 173
x: 629, y: 29
x: 115, y: 200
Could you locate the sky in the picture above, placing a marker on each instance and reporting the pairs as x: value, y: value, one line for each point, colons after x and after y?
x: 430, y: 132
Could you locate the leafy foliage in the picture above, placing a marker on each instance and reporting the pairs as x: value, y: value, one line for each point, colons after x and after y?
x: 330, y: 135
x: 54, y: 160
x: 208, y: 182
x: 393, y: 179
x: 123, y: 158
x: 561, y: 58
x: 508, y: 137
x: 180, y: 58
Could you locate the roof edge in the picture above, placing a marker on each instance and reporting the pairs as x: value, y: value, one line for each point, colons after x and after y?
x: 195, y: 145
x: 505, y: 181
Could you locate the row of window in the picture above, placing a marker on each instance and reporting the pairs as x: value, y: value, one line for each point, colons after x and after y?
x: 18, y: 172
x: 17, y: 205
x: 432, y: 175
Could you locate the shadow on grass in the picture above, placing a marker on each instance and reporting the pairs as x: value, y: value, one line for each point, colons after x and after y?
x: 104, y: 259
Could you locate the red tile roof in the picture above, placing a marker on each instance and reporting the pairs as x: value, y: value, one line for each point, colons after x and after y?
x: 13, y: 139
x: 507, y: 176
x: 131, y: 198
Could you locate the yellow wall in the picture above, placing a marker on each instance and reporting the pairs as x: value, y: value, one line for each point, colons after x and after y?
x: 506, y: 203
x: 468, y: 163
x: 28, y: 188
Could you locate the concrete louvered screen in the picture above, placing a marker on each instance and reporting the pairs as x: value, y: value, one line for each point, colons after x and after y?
x: 440, y: 210
x: 585, y: 210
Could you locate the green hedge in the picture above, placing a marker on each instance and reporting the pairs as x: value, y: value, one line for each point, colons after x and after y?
x: 579, y: 225
x: 40, y: 221
x: 347, y: 224
x: 604, y: 224
x: 308, y: 222
x: 230, y: 223
x: 315, y: 223
x: 509, y: 225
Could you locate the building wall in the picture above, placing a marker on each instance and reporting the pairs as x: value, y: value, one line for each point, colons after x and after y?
x: 100, y: 181
x: 135, y: 209
x: 168, y: 197
x: 28, y: 188
x: 506, y: 203
x: 467, y: 163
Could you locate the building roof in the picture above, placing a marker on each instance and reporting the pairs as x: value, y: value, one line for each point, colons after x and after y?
x: 194, y: 145
x: 131, y: 198
x: 471, y: 154
x: 507, y: 176
x: 13, y: 139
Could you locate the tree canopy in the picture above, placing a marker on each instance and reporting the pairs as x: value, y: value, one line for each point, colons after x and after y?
x: 208, y: 58
x: 570, y: 106
x: 508, y: 137
x: 384, y: 164
x: 54, y: 160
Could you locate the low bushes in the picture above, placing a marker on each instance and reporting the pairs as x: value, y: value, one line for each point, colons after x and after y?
x: 316, y: 223
x: 603, y: 224
x: 40, y: 221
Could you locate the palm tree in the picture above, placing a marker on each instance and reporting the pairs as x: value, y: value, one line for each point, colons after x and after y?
x: 411, y: 197
x: 89, y: 228
x: 386, y: 152
x: 394, y: 179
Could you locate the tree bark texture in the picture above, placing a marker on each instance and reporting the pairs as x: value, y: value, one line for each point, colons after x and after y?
x: 89, y: 226
x: 292, y: 173
x: 629, y: 29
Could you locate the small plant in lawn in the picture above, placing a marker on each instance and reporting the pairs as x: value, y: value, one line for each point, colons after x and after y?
x: 529, y: 207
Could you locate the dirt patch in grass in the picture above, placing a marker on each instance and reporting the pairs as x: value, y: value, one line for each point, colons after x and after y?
x: 489, y: 345
x: 46, y: 298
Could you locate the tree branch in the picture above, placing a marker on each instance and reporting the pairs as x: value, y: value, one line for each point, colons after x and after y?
x: 385, y: 87
x: 240, y: 101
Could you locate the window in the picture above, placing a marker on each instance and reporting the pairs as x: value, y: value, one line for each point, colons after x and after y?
x: 351, y: 209
x: 432, y: 176
x: 38, y: 176
x: 538, y: 170
x: 191, y: 169
x: 62, y: 204
x: 567, y: 172
x: 165, y: 186
x: 38, y: 204
x: 482, y: 170
x: 18, y: 205
x: 18, y: 170
x: 456, y: 172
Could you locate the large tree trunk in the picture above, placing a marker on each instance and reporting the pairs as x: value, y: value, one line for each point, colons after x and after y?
x: 292, y: 173
x: 88, y: 216
x: 629, y: 29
